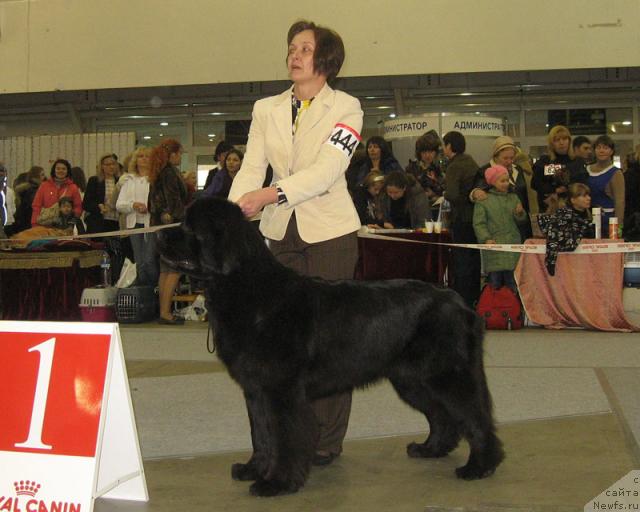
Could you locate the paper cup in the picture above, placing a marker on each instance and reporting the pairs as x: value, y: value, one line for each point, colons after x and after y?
x: 437, y: 227
x: 428, y: 226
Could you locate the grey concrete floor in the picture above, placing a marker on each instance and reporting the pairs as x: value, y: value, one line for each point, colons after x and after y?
x: 566, y: 404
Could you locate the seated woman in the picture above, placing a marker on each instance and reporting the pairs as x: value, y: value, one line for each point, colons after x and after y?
x: 365, y: 199
x: 101, y: 213
x: 568, y: 225
x: 403, y: 203
x: 223, y: 179
x: 57, y: 186
x: 65, y: 223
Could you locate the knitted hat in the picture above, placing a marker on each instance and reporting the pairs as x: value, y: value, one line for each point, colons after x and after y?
x: 492, y: 174
x: 502, y: 142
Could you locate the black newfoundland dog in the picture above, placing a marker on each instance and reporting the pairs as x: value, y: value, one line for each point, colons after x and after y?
x: 287, y: 340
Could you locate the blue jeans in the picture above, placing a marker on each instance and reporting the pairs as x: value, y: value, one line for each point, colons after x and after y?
x: 146, y: 256
x: 500, y: 278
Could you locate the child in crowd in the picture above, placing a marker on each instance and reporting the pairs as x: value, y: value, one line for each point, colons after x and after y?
x: 568, y: 225
x: 66, y: 219
x: 495, y: 222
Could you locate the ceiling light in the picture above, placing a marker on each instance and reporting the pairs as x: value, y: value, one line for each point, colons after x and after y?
x: 613, y: 128
x: 466, y: 93
x: 147, y: 137
x: 392, y: 115
x: 211, y: 135
x: 383, y: 107
x: 626, y: 123
x: 164, y: 123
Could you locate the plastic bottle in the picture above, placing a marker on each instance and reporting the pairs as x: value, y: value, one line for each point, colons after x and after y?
x: 613, y: 227
x: 596, y: 214
x: 105, y: 268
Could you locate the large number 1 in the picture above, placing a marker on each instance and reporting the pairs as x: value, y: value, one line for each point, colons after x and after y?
x: 34, y: 440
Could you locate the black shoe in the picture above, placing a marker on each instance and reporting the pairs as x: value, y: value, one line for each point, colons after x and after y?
x: 173, y: 321
x: 324, y: 460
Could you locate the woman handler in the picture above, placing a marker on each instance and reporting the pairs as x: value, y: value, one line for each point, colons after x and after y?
x: 308, y: 135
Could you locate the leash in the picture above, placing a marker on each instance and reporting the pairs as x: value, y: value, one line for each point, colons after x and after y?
x: 596, y: 248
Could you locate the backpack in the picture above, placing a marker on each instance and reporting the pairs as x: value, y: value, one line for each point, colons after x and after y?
x: 500, y: 308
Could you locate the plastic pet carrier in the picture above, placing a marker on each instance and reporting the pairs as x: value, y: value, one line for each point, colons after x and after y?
x: 136, y: 304
x: 98, y: 304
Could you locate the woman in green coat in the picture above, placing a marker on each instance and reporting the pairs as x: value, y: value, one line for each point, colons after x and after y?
x: 495, y: 222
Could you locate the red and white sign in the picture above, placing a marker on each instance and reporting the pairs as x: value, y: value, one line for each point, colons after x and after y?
x: 68, y: 432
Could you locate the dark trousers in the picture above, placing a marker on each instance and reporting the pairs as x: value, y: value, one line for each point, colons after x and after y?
x: 331, y: 259
x: 466, y: 263
x: 500, y: 278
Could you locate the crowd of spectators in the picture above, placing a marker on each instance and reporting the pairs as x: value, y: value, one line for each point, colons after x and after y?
x: 496, y: 202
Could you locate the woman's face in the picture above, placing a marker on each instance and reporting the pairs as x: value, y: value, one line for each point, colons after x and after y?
x: 175, y: 158
x: 142, y: 162
x: 603, y: 153
x: 505, y: 157
x: 374, y: 151
x: 61, y: 171
x: 375, y: 188
x: 502, y: 183
x: 233, y: 163
x: 581, y: 203
x: 109, y: 166
x: 300, y: 57
x: 561, y: 144
x: 395, y: 193
x: 427, y: 157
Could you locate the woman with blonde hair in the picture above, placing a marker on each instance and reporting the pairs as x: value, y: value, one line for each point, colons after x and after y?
x: 101, y: 214
x: 555, y: 171
x: 167, y: 203
x: 132, y: 203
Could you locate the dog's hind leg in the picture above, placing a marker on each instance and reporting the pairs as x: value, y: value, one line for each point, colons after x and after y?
x: 467, y: 400
x: 443, y: 431
x: 291, y: 443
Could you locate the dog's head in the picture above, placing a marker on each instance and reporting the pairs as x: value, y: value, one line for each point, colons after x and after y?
x: 214, y: 238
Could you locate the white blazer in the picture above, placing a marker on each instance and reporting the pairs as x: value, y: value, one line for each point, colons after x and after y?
x: 135, y: 190
x: 309, y: 167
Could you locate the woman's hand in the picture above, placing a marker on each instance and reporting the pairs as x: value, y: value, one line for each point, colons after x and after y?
x: 519, y: 209
x: 252, y: 202
x: 103, y: 208
x: 479, y: 195
x: 387, y: 225
x: 490, y: 242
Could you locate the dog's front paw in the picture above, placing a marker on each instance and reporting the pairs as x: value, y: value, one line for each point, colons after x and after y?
x: 268, y: 488
x: 244, y: 472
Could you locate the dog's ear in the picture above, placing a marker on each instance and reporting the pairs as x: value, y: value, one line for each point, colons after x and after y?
x: 219, y: 230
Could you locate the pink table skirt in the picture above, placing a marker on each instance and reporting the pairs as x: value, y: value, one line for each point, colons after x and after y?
x: 585, y: 292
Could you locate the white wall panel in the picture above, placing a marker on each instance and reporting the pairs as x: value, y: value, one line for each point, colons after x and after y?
x: 20, y: 153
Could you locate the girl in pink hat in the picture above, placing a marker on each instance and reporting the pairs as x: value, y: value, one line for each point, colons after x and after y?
x: 495, y: 221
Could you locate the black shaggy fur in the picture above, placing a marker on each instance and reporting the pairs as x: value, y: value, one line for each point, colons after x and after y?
x: 287, y: 339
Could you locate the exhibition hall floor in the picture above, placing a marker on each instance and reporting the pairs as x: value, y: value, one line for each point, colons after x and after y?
x: 566, y: 403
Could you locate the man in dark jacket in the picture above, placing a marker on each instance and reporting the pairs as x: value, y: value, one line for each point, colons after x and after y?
x: 458, y: 183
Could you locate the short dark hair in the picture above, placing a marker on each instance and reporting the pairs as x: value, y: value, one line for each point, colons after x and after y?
x: 605, y: 140
x: 580, y: 140
x: 427, y: 142
x: 328, y: 56
x: 65, y: 163
x: 222, y: 147
x: 457, y: 142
